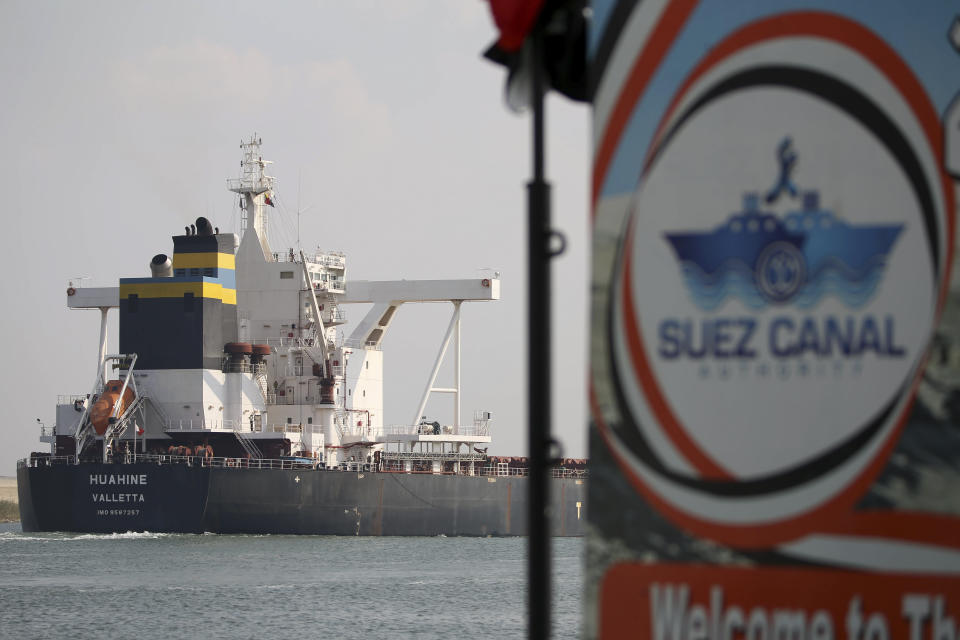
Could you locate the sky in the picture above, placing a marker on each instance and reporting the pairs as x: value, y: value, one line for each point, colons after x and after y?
x: 122, y: 121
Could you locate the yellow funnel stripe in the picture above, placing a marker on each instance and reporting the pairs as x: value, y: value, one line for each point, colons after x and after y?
x: 204, y: 260
x: 213, y: 290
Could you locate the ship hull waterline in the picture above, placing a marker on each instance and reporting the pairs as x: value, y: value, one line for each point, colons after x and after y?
x: 116, y: 498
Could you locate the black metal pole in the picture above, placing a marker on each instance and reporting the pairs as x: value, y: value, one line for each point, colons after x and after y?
x: 538, y: 362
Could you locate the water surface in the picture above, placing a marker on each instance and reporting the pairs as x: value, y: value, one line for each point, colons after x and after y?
x: 165, y: 586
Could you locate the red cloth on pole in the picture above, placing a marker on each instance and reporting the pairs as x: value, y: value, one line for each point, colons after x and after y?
x: 514, y: 19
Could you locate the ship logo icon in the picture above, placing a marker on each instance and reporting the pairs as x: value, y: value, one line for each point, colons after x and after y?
x: 798, y: 258
x: 763, y: 259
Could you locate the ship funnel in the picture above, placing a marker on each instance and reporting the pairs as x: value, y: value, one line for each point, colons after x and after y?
x: 161, y: 267
x: 204, y: 228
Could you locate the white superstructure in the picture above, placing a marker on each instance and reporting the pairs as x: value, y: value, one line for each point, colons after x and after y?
x: 319, y: 395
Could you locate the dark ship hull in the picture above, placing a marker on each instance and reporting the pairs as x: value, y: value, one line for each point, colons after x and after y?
x: 181, y: 498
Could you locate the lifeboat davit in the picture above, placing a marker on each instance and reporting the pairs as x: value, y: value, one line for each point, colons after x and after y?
x: 103, y: 408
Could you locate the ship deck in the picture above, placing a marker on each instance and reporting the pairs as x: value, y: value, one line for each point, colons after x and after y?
x: 486, y: 470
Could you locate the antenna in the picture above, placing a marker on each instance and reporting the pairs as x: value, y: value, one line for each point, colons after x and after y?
x: 254, y: 186
x: 299, y: 210
x: 299, y: 179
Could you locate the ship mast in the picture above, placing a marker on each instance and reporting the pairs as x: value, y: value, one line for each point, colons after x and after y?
x: 255, y: 187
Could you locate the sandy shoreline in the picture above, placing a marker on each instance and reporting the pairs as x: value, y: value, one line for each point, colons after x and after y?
x: 8, y: 494
x: 8, y: 488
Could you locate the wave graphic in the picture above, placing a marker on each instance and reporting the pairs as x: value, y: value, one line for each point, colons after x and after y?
x: 710, y: 290
x: 830, y: 278
x: 832, y: 281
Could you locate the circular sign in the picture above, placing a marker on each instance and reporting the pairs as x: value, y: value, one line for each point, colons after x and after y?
x: 778, y: 281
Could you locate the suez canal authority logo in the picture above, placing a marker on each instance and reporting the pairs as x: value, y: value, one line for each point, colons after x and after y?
x: 765, y: 260
x: 766, y: 347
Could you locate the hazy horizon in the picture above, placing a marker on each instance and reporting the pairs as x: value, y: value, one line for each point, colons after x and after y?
x: 387, y: 128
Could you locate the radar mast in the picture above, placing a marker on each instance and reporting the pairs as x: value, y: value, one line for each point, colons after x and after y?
x: 256, y: 189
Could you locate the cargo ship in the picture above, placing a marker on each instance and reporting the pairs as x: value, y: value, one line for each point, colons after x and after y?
x: 235, y: 404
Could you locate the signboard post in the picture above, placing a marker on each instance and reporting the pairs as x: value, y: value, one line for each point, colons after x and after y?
x: 775, y: 356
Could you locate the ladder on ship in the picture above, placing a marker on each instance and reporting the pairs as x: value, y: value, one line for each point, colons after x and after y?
x: 248, y: 445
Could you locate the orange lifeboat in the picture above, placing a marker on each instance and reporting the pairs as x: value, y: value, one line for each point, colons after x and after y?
x: 103, y: 408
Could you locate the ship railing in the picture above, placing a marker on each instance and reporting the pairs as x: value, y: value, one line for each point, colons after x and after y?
x: 333, y: 259
x: 287, y: 398
x: 227, y: 462
x: 222, y: 462
x: 428, y: 430
x: 334, y: 285
x: 499, y: 471
x: 45, y: 461
x: 330, y: 260
x: 360, y: 344
x: 394, y: 466
x: 295, y: 398
x: 288, y: 427
x: 569, y: 473
x: 431, y: 455
x: 169, y: 459
x: 202, y: 425
x: 231, y: 366
x: 231, y: 425
x: 46, y: 431
x: 333, y: 315
x: 263, y: 463
x: 464, y: 471
x: 285, y: 256
x: 287, y: 341
x: 250, y: 182
x: 87, y: 282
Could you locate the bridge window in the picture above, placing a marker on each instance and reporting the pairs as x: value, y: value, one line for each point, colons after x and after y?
x: 286, y: 275
x: 132, y: 302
